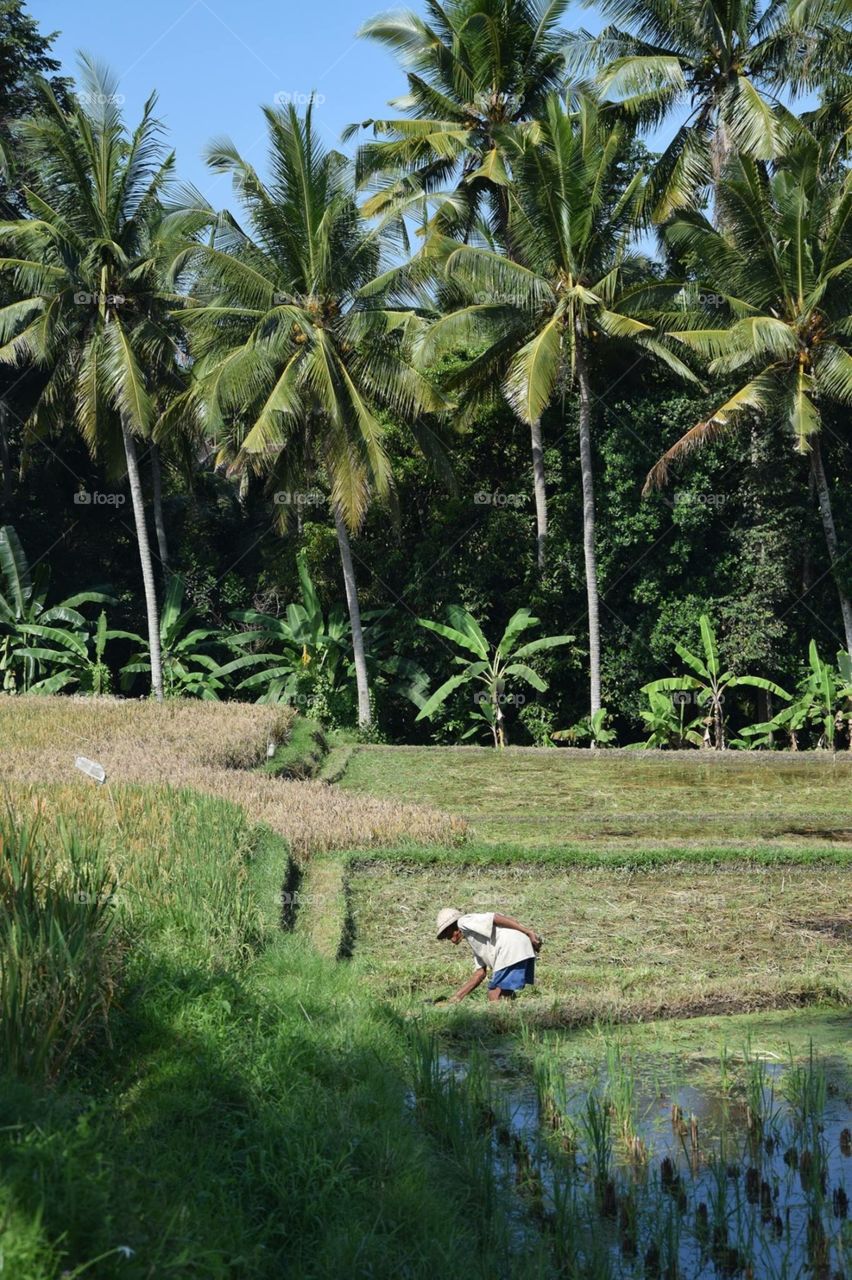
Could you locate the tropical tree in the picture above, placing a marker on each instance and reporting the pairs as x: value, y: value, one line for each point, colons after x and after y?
x: 727, y: 62
x: 780, y: 268
x: 294, y: 361
x: 667, y: 723
x: 189, y: 669
x: 707, y: 687
x: 823, y: 702
x: 596, y: 729
x: 91, y: 313
x: 574, y: 200
x: 493, y: 667
x: 25, y: 613
x: 285, y: 655
x: 69, y: 657
x: 476, y: 71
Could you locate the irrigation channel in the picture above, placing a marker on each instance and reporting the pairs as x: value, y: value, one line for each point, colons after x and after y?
x: 644, y: 1166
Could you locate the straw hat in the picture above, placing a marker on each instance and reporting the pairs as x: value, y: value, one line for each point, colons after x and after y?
x: 446, y: 917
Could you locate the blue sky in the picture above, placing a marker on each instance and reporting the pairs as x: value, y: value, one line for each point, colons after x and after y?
x: 214, y: 62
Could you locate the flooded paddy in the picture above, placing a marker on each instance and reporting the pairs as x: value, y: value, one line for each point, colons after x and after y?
x: 626, y: 1155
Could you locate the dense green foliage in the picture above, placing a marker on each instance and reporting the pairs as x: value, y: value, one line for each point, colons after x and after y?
x: 304, y: 313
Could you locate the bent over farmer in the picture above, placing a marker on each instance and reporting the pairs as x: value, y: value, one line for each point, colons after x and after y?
x: 498, y: 943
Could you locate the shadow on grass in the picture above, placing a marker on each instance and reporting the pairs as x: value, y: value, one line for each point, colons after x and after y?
x: 247, y: 1127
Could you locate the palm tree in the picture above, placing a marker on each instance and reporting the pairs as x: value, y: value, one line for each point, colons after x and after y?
x: 727, y: 61
x: 782, y: 263
x: 294, y: 361
x: 572, y: 217
x: 479, y: 72
x: 476, y: 70
x: 87, y: 268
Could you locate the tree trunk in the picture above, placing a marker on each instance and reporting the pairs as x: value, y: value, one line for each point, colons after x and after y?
x: 540, y: 492
x: 720, y: 150
x: 364, y: 714
x: 824, y: 500
x: 145, y: 558
x: 589, y: 521
x: 159, y: 523
x: 5, y: 463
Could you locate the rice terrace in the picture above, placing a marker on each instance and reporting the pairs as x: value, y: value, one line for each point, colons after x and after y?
x: 426, y: 640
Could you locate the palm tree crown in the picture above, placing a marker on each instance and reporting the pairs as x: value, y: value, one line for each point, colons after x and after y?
x: 296, y: 351
x: 727, y: 61
x: 780, y: 267
x: 476, y: 70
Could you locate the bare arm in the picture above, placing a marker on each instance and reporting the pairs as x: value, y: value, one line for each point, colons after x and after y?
x: 470, y: 985
x: 508, y: 922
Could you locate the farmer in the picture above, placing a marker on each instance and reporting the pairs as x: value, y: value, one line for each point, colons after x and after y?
x: 498, y: 943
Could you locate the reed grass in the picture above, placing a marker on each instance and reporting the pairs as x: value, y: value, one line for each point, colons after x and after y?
x: 58, y: 947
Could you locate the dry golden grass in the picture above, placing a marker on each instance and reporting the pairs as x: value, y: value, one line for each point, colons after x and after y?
x: 209, y: 747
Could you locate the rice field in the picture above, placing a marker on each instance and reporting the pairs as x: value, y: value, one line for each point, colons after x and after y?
x: 526, y: 802
x: 633, y: 945
x: 339, y: 1124
x: 216, y: 748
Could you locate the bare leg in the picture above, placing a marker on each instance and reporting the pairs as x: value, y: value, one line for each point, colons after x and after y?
x: 495, y: 993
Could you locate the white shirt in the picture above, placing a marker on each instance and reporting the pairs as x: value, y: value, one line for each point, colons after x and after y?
x: 493, y: 946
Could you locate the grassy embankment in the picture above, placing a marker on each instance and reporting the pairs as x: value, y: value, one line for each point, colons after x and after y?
x: 186, y: 1089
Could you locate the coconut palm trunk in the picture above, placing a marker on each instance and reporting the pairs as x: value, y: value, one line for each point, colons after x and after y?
x: 5, y: 462
x: 720, y: 150
x: 540, y: 492
x: 361, y: 682
x: 589, y: 554
x: 159, y: 522
x: 145, y: 558
x: 824, y: 501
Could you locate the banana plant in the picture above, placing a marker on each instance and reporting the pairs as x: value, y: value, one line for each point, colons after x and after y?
x: 709, y: 685
x: 67, y: 654
x: 823, y: 702
x: 493, y: 667
x: 826, y: 696
x: 594, y: 727
x: 23, y: 605
x: 188, y: 669
x: 288, y: 652
x: 666, y: 721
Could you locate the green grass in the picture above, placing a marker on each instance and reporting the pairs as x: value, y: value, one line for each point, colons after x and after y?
x: 773, y: 1034
x: 246, y: 1113
x: 619, y: 945
x: 617, y: 807
x: 302, y: 755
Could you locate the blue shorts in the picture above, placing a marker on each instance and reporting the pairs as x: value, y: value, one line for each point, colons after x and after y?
x: 514, y: 977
